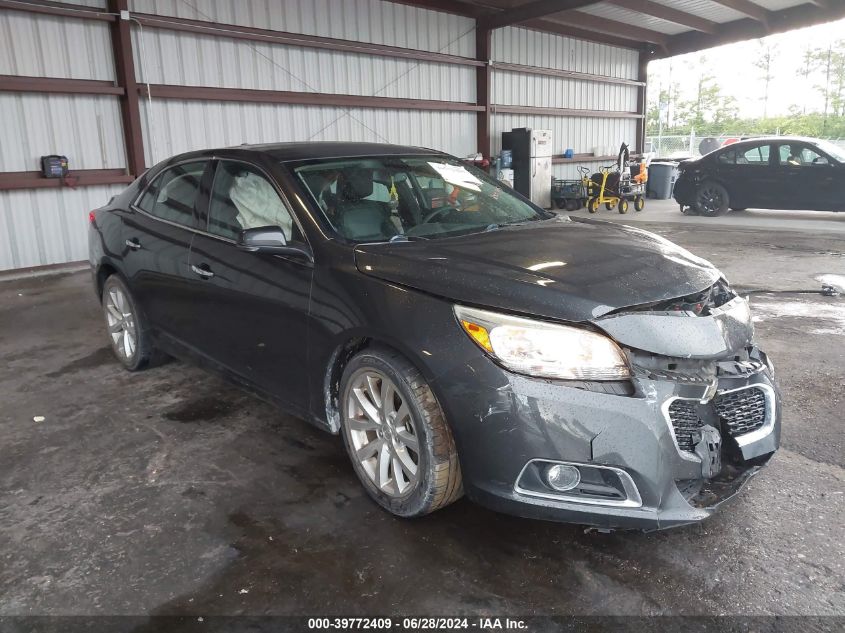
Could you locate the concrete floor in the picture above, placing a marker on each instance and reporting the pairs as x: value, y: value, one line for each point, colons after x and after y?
x: 171, y: 492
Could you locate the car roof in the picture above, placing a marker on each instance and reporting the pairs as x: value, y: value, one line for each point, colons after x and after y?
x: 775, y: 139
x: 284, y: 152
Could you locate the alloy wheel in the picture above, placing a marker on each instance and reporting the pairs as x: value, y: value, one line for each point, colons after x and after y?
x: 382, y: 433
x: 710, y: 199
x: 122, y: 327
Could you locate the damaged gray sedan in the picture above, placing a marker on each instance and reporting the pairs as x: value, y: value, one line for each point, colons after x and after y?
x: 460, y: 339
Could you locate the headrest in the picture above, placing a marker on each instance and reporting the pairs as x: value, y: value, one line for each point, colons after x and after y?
x: 357, y: 184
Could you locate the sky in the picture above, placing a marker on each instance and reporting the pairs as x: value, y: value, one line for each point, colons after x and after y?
x: 733, y: 69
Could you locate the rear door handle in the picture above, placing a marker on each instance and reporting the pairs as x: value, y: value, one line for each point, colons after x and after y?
x: 202, y: 272
x: 133, y: 244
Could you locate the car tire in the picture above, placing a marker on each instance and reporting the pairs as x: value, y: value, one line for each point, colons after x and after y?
x: 397, y: 426
x: 127, y: 327
x: 711, y: 199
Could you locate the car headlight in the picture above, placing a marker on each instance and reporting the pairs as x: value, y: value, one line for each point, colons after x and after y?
x: 546, y: 350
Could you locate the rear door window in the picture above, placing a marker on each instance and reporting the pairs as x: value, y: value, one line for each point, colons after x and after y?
x: 172, y: 196
x: 758, y: 155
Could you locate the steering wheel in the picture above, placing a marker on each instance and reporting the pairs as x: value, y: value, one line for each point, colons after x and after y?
x: 437, y: 213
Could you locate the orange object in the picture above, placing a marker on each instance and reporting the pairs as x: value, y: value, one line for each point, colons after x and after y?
x: 642, y: 177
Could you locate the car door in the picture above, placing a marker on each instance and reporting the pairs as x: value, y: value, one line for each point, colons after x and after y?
x: 252, y: 307
x: 749, y: 176
x: 807, y: 179
x: 157, y: 233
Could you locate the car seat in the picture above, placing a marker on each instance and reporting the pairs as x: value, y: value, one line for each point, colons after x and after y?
x: 359, y: 218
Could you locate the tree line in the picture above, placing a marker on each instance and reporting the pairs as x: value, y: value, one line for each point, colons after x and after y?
x: 709, y: 111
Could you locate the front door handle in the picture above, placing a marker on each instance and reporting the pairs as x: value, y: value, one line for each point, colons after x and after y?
x: 202, y: 272
x: 133, y: 244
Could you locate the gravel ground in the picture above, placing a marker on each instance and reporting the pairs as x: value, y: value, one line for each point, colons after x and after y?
x: 171, y: 492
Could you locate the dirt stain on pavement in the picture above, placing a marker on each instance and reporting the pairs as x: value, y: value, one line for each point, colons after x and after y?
x: 201, y: 410
x: 102, y: 356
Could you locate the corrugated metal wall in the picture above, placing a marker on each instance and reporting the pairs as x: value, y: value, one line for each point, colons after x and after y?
x: 359, y: 20
x: 48, y: 226
x: 176, y: 58
x: 583, y: 135
x: 184, y: 125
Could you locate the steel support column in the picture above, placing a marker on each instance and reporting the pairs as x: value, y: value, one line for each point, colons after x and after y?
x: 483, y: 75
x: 642, y: 100
x: 130, y: 109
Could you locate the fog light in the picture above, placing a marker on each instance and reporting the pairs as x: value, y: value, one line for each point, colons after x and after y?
x: 563, y: 478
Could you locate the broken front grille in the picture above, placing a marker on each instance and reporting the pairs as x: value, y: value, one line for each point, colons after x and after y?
x: 742, y: 411
x: 686, y: 423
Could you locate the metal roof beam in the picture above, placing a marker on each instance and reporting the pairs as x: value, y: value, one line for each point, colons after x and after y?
x: 531, y: 11
x: 797, y: 17
x: 746, y: 7
x: 598, y: 24
x: 669, y: 14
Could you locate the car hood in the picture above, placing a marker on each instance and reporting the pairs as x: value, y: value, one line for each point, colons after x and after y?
x: 574, y: 269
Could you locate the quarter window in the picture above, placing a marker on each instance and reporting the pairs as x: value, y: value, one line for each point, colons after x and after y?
x: 243, y: 198
x: 173, y: 194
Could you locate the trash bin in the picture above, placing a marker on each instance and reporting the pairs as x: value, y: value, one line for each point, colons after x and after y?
x: 661, y: 179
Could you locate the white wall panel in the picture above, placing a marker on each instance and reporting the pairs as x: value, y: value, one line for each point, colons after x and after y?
x: 511, y: 88
x: 36, y: 45
x: 47, y: 226
x: 583, y: 135
x: 87, y: 129
x: 170, y: 57
x: 181, y: 126
x: 521, y: 46
x: 360, y: 20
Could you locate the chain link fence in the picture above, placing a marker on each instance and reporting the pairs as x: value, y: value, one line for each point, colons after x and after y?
x: 693, y: 145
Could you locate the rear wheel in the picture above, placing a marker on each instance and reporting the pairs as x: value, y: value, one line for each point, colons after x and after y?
x: 610, y: 206
x: 593, y: 205
x: 127, y: 328
x: 396, y: 435
x: 623, y: 206
x: 711, y: 199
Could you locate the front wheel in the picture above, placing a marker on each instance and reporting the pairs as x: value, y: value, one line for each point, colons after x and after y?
x: 593, y: 205
x: 711, y: 200
x: 396, y: 435
x: 623, y: 206
x: 610, y: 206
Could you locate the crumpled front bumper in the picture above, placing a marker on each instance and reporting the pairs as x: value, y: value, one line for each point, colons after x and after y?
x: 503, y: 422
x: 531, y: 420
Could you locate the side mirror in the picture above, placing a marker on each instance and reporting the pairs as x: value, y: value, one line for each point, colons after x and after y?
x: 271, y: 239
x: 821, y: 160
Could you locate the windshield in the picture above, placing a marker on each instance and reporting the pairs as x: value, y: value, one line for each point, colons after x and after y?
x: 834, y: 150
x: 406, y: 197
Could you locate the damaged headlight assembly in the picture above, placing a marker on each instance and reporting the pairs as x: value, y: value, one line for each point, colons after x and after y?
x: 544, y: 350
